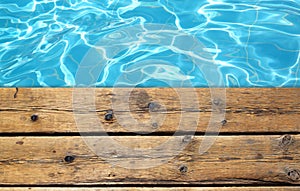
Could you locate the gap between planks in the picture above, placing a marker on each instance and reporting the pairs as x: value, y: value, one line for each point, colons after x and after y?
x: 279, y: 188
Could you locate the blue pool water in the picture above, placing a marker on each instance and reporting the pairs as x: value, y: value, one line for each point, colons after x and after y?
x: 246, y: 43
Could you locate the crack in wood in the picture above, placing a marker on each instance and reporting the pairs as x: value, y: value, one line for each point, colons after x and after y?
x: 15, y: 95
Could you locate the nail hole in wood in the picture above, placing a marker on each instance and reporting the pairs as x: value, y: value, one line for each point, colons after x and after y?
x: 111, y: 175
x: 69, y: 159
x: 109, y: 115
x: 223, y: 122
x: 183, y: 169
x: 34, y: 117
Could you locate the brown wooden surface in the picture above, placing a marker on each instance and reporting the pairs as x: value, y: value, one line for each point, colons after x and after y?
x: 259, y: 143
x: 247, y: 110
x: 231, y: 160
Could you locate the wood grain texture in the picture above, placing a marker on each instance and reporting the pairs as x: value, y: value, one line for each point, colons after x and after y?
x: 232, y: 160
x: 247, y: 110
x: 279, y: 188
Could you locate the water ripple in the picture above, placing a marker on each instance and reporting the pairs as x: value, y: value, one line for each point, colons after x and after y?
x: 253, y: 43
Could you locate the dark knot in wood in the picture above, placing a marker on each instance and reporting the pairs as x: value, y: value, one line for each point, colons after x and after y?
x: 109, y: 115
x: 293, y: 174
x: 69, y: 159
x: 223, y: 122
x: 183, y: 169
x: 285, y: 141
x: 34, y: 117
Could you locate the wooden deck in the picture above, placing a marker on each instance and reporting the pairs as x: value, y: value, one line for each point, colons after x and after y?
x: 257, y: 147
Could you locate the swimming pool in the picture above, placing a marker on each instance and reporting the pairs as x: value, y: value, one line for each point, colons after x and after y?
x: 249, y: 43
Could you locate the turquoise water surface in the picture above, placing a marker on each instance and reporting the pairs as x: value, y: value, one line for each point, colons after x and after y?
x: 149, y: 42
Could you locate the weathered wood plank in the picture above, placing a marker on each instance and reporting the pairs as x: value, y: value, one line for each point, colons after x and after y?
x: 247, y: 110
x: 231, y: 160
x: 61, y: 121
x: 279, y: 188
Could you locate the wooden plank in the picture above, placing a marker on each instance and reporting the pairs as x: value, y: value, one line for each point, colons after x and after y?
x: 279, y: 188
x: 247, y: 110
x: 246, y: 160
